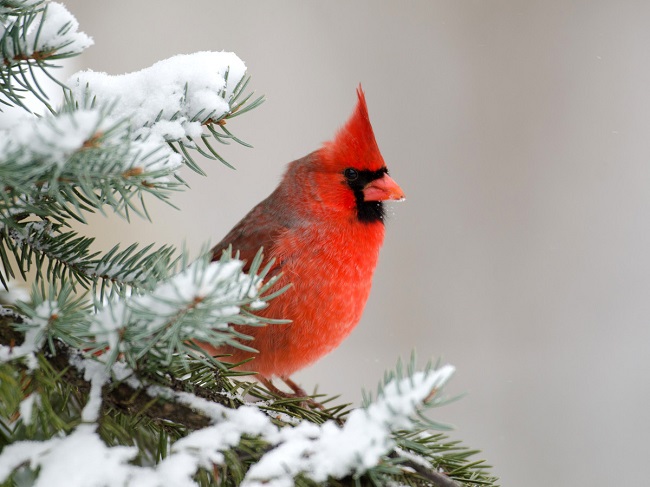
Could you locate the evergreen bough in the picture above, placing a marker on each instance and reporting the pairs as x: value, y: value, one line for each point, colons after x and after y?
x: 102, y: 357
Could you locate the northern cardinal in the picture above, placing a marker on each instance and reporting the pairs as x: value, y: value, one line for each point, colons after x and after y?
x: 323, y: 225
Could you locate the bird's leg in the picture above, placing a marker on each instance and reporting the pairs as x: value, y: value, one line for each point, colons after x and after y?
x: 298, y: 392
x: 269, y: 385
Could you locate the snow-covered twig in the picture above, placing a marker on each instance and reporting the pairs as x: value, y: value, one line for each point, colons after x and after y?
x: 53, y: 31
x: 319, y: 452
x: 170, y: 99
x: 34, y: 34
x: 313, y: 451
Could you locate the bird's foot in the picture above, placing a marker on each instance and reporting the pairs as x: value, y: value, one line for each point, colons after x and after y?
x: 298, y: 392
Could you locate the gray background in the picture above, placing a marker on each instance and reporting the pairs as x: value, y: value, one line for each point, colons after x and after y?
x: 520, y: 133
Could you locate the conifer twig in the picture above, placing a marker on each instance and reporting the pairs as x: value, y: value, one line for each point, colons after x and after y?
x: 436, y: 478
x: 121, y: 396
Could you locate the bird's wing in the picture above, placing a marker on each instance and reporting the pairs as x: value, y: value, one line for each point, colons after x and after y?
x: 260, y: 228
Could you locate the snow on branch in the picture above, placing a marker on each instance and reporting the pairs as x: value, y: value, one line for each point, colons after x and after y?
x: 35, y: 335
x: 79, y: 459
x: 51, y: 140
x: 313, y: 451
x: 156, y: 327
x: 118, y: 137
x: 319, y: 452
x: 33, y: 36
x: 50, y: 159
x: 171, y: 100
x: 53, y: 31
x: 202, y: 302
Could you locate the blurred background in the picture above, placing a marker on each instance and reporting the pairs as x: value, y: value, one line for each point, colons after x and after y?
x: 520, y: 131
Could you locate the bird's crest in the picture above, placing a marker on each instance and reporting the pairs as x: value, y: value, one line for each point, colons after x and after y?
x: 354, y: 144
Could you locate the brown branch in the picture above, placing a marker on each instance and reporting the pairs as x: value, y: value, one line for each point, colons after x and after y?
x: 436, y: 478
x: 37, y: 56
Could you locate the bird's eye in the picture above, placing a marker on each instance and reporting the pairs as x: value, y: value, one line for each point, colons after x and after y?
x: 351, y: 174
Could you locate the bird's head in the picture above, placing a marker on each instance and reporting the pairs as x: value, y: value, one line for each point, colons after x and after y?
x: 350, y: 171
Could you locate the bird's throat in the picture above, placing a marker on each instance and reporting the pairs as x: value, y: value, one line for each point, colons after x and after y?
x: 368, y: 211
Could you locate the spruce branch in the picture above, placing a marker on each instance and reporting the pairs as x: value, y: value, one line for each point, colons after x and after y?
x: 106, y: 148
x: 63, y: 257
x: 33, y: 36
x: 157, y: 327
x: 118, y: 271
x: 77, y: 161
x: 198, y: 103
x: 170, y: 416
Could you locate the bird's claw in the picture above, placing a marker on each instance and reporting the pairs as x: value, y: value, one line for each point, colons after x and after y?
x: 298, y: 392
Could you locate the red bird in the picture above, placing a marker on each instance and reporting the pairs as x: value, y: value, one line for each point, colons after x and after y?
x: 323, y: 225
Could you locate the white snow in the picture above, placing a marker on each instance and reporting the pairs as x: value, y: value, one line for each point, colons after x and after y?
x: 314, y: 451
x: 59, y: 32
x: 94, y: 372
x: 123, y: 373
x: 109, y: 322
x: 82, y: 459
x: 417, y: 459
x: 195, y: 283
x: 329, y: 450
x: 15, y: 292
x: 26, y: 233
x: 26, y: 407
x: 206, y: 445
x: 216, y: 287
x: 11, y: 116
x: 152, y: 154
x: 34, y: 336
x: 54, y: 31
x: 169, y: 100
x: 52, y: 139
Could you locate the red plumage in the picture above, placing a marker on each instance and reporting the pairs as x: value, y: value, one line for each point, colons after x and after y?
x: 324, y: 228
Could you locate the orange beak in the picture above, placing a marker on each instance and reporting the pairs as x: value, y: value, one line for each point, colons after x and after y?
x: 382, y: 189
